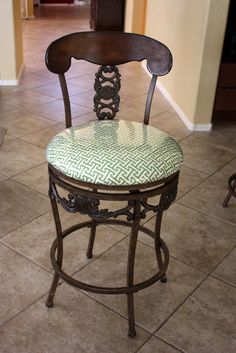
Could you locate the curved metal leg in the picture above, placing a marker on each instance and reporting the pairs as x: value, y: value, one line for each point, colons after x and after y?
x: 130, y: 267
x: 157, y: 243
x: 232, y: 190
x: 52, y: 291
x: 89, y: 252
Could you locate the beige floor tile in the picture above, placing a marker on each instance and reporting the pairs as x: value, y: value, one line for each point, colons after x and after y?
x: 35, y: 178
x: 9, y: 89
x: 7, y: 138
x: 17, y: 156
x: 222, y: 135
x: 204, y: 157
x: 188, y: 179
x: 206, y: 321
x: 130, y: 92
x: 227, y: 269
x: 54, y: 89
x: 84, y: 99
x: 34, y: 241
x: 129, y: 112
x: 6, y: 107
x: 26, y: 99
x: 154, y: 345
x: 3, y: 177
x: 194, y: 238
x: 84, y: 119
x: 19, y: 205
x: 227, y: 170
x: 81, y: 69
x: 23, y: 123
x: 21, y: 283
x: 75, y: 324
x: 169, y: 122
x: 41, y: 138
x: 208, y: 198
x: 82, y: 83
x: 152, y: 305
x: 159, y: 103
x: 134, y: 108
x: 30, y: 80
x: 55, y: 110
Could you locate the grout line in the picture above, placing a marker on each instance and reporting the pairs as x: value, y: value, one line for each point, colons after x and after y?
x: 196, y: 288
x: 219, y: 263
x: 223, y: 281
x: 101, y: 254
x: 144, y: 342
x: 23, y: 224
x: 94, y: 298
x: 26, y: 257
x: 170, y: 344
x: 21, y: 311
x: 183, y: 301
x: 160, y: 339
x: 206, y: 214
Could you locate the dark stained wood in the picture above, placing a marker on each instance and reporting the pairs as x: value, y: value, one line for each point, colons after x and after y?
x: 108, y: 48
x: 107, y: 15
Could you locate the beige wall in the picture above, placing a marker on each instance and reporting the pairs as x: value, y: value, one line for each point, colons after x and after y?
x: 11, y: 56
x: 135, y: 16
x: 194, y: 31
x: 30, y: 8
x: 214, y: 39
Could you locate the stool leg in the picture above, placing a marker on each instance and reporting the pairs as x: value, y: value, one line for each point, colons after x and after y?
x: 89, y: 252
x: 157, y: 231
x: 130, y: 268
x: 52, y: 291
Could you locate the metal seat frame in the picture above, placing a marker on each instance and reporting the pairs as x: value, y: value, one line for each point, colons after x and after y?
x: 109, y: 49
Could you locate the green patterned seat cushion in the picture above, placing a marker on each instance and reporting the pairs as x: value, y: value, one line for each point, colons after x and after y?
x: 115, y: 153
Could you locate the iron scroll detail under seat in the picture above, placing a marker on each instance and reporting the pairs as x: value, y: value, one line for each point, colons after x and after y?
x: 109, y: 159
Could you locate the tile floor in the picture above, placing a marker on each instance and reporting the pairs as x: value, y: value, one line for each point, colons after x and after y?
x: 195, y: 311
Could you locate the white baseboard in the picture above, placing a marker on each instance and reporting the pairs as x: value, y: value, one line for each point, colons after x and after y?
x: 13, y: 82
x: 179, y: 111
x: 183, y: 117
x: 28, y: 18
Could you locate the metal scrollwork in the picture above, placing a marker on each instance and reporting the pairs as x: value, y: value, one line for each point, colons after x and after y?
x: 107, y: 86
x: 85, y: 205
x: 148, y: 207
x: 165, y: 202
x: 75, y: 203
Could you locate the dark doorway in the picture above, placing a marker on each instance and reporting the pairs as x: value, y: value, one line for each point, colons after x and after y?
x: 225, y: 99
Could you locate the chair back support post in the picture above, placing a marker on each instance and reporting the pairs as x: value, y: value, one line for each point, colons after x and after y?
x: 66, y: 99
x: 149, y: 99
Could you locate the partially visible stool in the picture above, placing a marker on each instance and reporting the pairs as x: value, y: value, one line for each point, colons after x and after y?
x: 232, y: 189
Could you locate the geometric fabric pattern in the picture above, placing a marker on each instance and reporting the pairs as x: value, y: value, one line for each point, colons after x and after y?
x: 115, y: 153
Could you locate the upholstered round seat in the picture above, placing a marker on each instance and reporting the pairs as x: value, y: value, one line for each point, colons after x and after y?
x: 114, y: 153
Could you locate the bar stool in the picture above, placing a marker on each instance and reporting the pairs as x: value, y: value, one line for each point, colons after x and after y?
x: 110, y: 159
